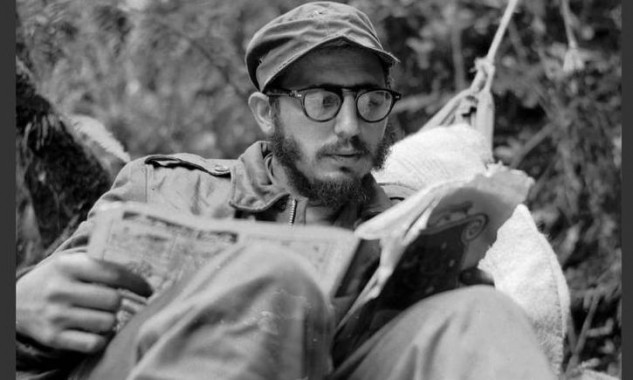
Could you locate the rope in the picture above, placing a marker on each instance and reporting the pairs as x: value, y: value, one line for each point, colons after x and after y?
x: 483, y: 66
x: 503, y: 25
x: 572, y: 62
x: 566, y: 13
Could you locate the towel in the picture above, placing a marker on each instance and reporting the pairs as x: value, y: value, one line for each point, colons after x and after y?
x: 521, y: 261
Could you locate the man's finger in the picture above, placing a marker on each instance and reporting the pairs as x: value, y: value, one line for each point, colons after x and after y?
x: 119, y: 276
x: 93, y: 296
x: 92, y: 321
x: 108, y: 273
x: 82, y: 341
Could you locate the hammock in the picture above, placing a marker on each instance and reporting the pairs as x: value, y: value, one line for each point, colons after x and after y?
x: 529, y: 272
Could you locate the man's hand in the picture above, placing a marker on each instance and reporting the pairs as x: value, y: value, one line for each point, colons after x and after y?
x: 70, y: 301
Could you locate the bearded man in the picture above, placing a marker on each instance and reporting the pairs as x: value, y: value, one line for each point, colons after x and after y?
x: 255, y: 312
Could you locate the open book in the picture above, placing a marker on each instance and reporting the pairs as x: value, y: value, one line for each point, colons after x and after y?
x: 416, y: 249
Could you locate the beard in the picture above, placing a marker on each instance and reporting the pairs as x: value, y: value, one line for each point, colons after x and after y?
x: 332, y: 193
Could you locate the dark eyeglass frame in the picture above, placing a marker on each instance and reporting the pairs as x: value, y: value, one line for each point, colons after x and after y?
x: 340, y: 92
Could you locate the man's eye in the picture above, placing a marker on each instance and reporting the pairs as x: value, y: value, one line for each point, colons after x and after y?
x: 374, y: 103
x: 373, y: 100
x: 329, y: 100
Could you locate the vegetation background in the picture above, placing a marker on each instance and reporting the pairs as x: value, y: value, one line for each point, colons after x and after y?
x: 168, y: 76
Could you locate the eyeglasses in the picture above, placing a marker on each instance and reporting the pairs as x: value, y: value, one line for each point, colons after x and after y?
x: 323, y: 103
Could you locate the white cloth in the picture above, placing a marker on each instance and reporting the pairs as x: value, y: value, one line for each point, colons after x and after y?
x: 521, y: 261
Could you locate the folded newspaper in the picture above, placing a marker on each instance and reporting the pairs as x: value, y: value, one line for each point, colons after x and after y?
x: 425, y: 242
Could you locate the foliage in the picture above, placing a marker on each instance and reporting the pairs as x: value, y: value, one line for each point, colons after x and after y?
x: 62, y: 177
x: 168, y: 76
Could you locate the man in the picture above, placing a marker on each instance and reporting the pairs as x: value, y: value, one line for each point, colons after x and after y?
x: 322, y: 98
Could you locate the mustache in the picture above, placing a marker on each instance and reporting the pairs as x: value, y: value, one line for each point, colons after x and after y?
x: 354, y: 143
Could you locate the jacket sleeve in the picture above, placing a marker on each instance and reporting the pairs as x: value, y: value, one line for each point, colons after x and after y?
x: 34, y: 361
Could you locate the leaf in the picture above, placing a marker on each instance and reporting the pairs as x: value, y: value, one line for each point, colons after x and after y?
x: 95, y: 132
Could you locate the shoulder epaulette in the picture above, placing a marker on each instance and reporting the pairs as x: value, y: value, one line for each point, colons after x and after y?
x: 213, y: 166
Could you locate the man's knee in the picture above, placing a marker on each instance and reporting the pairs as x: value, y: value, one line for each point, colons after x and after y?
x: 471, y: 311
x: 245, y: 273
x: 476, y: 299
x: 246, y: 282
x: 468, y: 333
x: 470, y: 318
x: 477, y: 324
x: 279, y: 265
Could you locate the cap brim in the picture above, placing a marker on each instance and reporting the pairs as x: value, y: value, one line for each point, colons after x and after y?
x: 386, y: 57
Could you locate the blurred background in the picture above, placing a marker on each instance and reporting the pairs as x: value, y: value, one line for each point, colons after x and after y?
x: 136, y: 77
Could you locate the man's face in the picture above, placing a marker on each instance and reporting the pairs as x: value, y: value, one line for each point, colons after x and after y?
x: 339, y: 153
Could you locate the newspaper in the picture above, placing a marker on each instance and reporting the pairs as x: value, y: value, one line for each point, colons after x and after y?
x: 425, y: 242
x: 165, y: 246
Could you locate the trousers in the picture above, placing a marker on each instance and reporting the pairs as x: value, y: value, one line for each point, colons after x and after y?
x: 258, y: 313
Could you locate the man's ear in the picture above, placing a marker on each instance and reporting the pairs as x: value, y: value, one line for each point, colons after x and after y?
x: 262, y: 112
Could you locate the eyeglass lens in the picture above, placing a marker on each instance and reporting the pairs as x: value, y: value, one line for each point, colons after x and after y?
x: 322, y: 104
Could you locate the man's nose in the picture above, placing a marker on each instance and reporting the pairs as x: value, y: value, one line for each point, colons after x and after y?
x: 347, y: 122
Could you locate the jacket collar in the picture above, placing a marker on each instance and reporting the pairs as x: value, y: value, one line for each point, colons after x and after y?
x: 253, y: 190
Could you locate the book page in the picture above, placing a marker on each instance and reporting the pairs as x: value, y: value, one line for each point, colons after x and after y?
x: 426, y: 242
x: 487, y: 199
